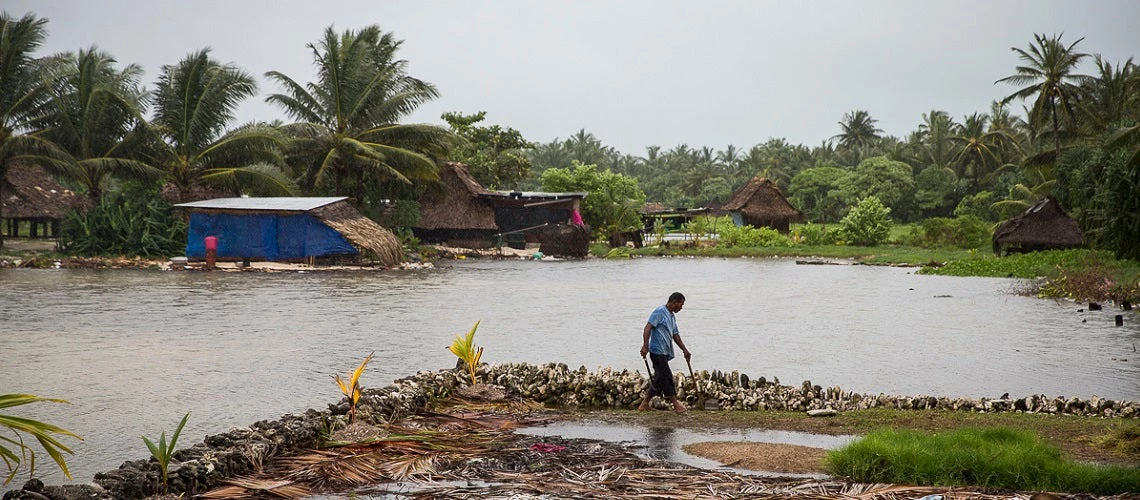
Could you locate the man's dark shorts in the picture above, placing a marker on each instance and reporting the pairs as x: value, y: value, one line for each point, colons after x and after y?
x: 662, y: 383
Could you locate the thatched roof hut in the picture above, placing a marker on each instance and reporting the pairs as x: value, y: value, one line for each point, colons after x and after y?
x: 287, y: 229
x: 1043, y: 226
x: 760, y: 203
x: 28, y: 193
x: 455, y: 214
x: 361, y: 231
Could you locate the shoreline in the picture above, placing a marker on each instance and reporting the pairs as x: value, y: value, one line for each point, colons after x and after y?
x: 219, y: 458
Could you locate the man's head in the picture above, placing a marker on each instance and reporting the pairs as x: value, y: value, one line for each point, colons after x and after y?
x: 676, y: 302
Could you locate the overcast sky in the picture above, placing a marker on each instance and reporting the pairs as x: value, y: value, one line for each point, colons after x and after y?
x: 702, y: 73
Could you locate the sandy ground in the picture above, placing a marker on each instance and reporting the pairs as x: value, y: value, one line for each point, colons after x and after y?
x: 771, y: 457
x: 28, y: 244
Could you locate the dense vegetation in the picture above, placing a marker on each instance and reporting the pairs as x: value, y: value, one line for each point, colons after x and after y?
x: 985, y: 457
x: 89, y: 119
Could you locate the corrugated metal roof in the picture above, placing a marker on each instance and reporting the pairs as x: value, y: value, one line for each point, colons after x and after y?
x: 534, y: 195
x: 302, y: 204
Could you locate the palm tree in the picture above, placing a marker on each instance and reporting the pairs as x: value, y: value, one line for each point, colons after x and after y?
x: 95, y: 116
x: 935, y: 131
x: 1047, y: 72
x: 194, y: 102
x: 858, y: 130
x: 979, y: 149
x: 23, y: 92
x: 347, y: 132
x: 1111, y: 97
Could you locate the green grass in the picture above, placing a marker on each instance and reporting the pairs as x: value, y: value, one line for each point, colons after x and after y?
x: 986, y: 457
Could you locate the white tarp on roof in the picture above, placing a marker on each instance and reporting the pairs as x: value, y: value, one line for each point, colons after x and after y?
x: 302, y: 204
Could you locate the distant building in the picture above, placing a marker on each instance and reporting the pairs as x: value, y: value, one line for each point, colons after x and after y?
x: 463, y: 213
x: 29, y: 195
x: 287, y: 229
x: 761, y: 204
x: 1043, y: 226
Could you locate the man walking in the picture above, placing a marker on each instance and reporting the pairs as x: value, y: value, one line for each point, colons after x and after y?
x: 657, y: 341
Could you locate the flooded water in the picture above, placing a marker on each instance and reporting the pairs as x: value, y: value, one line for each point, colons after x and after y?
x: 134, y: 350
x: 667, y: 443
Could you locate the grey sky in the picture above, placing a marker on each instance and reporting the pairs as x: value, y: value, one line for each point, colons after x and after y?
x: 632, y: 73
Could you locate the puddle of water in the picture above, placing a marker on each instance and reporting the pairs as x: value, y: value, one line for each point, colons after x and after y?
x: 666, y: 443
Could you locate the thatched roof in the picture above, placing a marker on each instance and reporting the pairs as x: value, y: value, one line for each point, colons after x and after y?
x: 28, y: 192
x: 1043, y: 226
x: 361, y: 231
x: 760, y: 198
x: 458, y: 205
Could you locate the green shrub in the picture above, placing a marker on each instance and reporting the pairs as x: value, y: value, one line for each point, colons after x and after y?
x: 125, y: 225
x: 984, y: 457
x: 867, y: 224
x: 978, y: 205
x: 748, y: 236
x: 811, y: 234
x: 962, y: 232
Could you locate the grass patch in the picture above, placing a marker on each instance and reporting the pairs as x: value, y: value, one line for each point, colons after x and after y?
x: 991, y: 457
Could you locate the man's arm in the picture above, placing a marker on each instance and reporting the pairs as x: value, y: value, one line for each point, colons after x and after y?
x: 645, y: 339
x: 677, y: 339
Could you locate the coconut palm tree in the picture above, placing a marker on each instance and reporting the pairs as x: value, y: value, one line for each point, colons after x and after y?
x: 95, y: 116
x: 859, y: 130
x: 1110, y: 98
x: 194, y: 102
x: 347, y: 137
x: 979, y: 149
x: 1048, y: 73
x: 935, y: 131
x: 23, y: 92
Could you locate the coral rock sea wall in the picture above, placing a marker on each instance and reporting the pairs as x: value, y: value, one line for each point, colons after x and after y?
x: 556, y: 384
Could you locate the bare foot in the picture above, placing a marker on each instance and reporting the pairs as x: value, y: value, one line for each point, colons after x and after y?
x: 643, y: 407
x: 679, y: 408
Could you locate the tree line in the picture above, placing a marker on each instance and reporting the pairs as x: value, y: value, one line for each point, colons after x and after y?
x: 91, y: 122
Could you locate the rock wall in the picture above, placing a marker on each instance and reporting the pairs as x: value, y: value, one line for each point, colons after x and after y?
x: 556, y: 384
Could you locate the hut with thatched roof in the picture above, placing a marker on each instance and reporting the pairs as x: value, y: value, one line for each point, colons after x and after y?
x: 1043, y: 226
x: 29, y: 195
x: 287, y: 229
x: 466, y: 214
x: 454, y: 214
x: 760, y: 203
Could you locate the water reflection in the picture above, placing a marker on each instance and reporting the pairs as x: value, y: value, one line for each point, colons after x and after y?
x: 660, y: 442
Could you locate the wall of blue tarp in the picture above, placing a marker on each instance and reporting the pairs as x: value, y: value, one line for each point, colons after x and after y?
x: 265, y: 236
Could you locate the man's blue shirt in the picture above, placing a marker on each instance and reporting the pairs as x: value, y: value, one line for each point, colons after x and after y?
x: 664, y: 325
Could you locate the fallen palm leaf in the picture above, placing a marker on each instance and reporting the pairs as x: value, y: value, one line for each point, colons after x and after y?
x: 256, y: 488
x: 405, y: 467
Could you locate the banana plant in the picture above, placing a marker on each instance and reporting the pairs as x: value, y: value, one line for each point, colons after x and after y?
x: 464, y: 348
x: 351, y: 389
x: 163, y: 452
x: 39, y: 430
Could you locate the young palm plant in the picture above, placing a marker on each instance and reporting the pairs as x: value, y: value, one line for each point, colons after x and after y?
x: 464, y: 348
x: 39, y: 430
x: 163, y: 451
x: 351, y: 389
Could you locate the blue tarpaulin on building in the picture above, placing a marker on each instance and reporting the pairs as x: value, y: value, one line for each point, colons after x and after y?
x: 265, y: 236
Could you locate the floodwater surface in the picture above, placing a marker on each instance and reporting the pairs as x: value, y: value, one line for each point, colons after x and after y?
x: 135, y: 350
